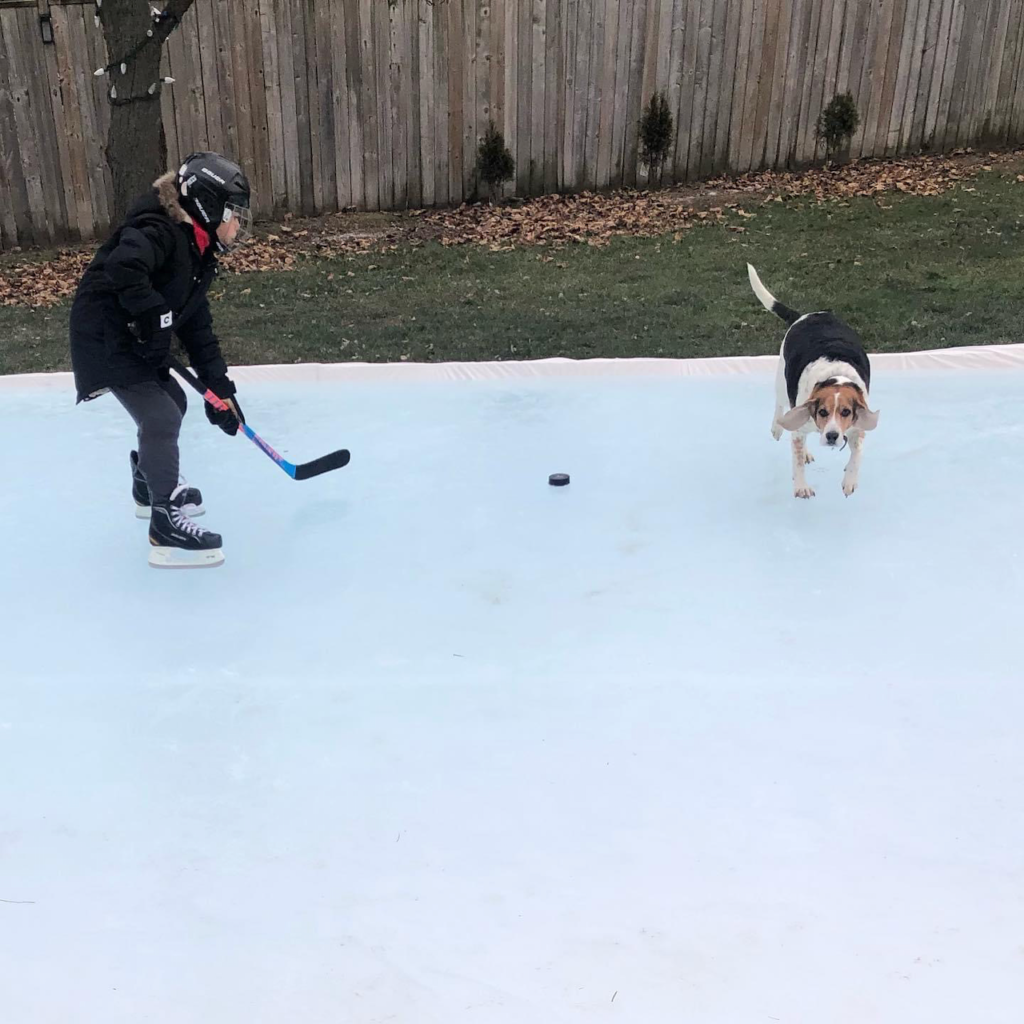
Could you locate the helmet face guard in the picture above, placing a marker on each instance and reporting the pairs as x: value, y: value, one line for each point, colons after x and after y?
x: 237, y: 209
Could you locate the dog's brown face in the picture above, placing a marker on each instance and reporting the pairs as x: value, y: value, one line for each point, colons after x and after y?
x: 834, y: 409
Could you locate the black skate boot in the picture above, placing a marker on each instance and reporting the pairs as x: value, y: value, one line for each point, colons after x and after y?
x: 178, y: 543
x: 188, y: 499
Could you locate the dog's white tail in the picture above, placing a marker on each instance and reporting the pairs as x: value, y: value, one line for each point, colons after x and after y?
x: 768, y: 300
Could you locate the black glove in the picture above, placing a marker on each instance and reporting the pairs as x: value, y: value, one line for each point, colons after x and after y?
x: 227, y: 419
x: 155, y: 328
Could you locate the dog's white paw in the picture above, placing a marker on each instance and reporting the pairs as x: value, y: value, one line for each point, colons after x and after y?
x: 803, y: 492
x: 808, y: 457
x: 776, y: 431
x: 849, y: 485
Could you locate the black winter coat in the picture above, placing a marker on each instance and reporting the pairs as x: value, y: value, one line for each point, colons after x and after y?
x: 151, y: 262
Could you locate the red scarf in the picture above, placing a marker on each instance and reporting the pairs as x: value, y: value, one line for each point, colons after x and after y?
x: 202, y: 238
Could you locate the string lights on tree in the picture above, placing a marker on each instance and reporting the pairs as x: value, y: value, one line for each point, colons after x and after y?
x: 161, y: 18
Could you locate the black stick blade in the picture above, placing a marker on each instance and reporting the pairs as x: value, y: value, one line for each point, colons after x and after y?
x: 322, y: 465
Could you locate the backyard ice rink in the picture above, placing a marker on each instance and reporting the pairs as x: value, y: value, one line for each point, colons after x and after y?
x: 442, y: 743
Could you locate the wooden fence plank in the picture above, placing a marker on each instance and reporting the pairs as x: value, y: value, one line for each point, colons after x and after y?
x: 51, y: 114
x: 830, y: 83
x: 744, y: 33
x: 796, y: 61
x: 366, y: 82
x: 1015, y: 113
x: 209, y: 60
x: 945, y: 128
x: 674, y: 75
x: 350, y: 83
x: 617, y: 143
x: 938, y: 70
x: 609, y: 49
x: 411, y: 99
x: 225, y: 71
x: 916, y: 137
x: 78, y: 166
x: 537, y: 12
x: 471, y: 82
x: 980, y: 38
x: 777, y: 104
x: 648, y: 73
x: 820, y: 31
x: 35, y: 148
x: 960, y: 104
x: 851, y: 58
x: 700, y: 88
x: 510, y: 86
x: 748, y: 130
x: 190, y: 96
x: 522, y: 149
x: 397, y: 104
x: 592, y: 120
x: 581, y: 86
x: 92, y: 94
x: 253, y: 69
x: 330, y: 99
x: 553, y: 71
x: 982, y: 128
x: 172, y: 65
x: 880, y: 32
x: 456, y: 86
x: 903, y: 75
x: 635, y: 98
x: 1004, y: 72
x: 18, y: 219
x: 713, y: 102
x: 425, y: 94
x: 278, y: 198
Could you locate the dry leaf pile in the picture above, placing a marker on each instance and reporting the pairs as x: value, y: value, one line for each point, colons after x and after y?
x: 918, y: 176
x: 593, y: 218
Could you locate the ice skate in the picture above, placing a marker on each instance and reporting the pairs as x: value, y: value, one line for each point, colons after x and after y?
x: 176, y: 542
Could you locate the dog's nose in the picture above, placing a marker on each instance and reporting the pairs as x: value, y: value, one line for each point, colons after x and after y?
x: 832, y: 436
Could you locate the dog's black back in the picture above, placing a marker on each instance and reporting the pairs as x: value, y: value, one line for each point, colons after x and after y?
x: 821, y: 336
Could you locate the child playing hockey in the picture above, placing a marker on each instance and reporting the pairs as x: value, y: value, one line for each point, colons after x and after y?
x: 147, y: 282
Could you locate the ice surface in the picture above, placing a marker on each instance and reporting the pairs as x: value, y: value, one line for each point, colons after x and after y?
x: 441, y: 743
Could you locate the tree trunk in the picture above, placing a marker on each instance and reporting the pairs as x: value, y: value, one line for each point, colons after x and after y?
x: 136, y: 148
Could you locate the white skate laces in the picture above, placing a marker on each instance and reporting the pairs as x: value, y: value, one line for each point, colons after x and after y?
x: 181, y: 521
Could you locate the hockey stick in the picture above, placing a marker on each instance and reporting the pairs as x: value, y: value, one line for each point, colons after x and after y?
x: 301, y: 472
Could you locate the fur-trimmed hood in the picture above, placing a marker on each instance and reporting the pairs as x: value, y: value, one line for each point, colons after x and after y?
x: 167, y: 192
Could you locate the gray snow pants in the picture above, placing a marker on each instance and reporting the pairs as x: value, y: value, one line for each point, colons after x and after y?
x: 157, y: 407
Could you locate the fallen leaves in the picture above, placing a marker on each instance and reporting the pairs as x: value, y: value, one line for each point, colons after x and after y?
x: 586, y: 218
x: 918, y: 176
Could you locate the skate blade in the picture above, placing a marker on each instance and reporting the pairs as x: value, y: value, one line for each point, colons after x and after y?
x: 145, y: 512
x: 177, y: 558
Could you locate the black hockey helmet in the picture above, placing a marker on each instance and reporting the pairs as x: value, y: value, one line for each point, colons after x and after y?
x: 212, y: 190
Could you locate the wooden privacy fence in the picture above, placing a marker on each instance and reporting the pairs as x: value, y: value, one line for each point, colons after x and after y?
x: 379, y: 104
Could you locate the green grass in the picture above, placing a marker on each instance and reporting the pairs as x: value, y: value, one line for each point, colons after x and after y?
x: 926, y: 273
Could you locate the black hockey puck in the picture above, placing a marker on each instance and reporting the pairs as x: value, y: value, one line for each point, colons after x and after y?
x: 558, y: 479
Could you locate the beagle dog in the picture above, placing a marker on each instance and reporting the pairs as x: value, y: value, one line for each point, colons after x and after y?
x: 823, y: 381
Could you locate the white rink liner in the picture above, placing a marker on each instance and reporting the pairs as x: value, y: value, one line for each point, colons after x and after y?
x: 973, y: 357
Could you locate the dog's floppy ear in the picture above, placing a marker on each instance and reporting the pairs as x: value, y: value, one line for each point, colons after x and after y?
x: 864, y: 418
x: 796, y: 418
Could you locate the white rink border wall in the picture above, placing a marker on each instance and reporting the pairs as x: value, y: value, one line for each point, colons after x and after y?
x: 974, y: 357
